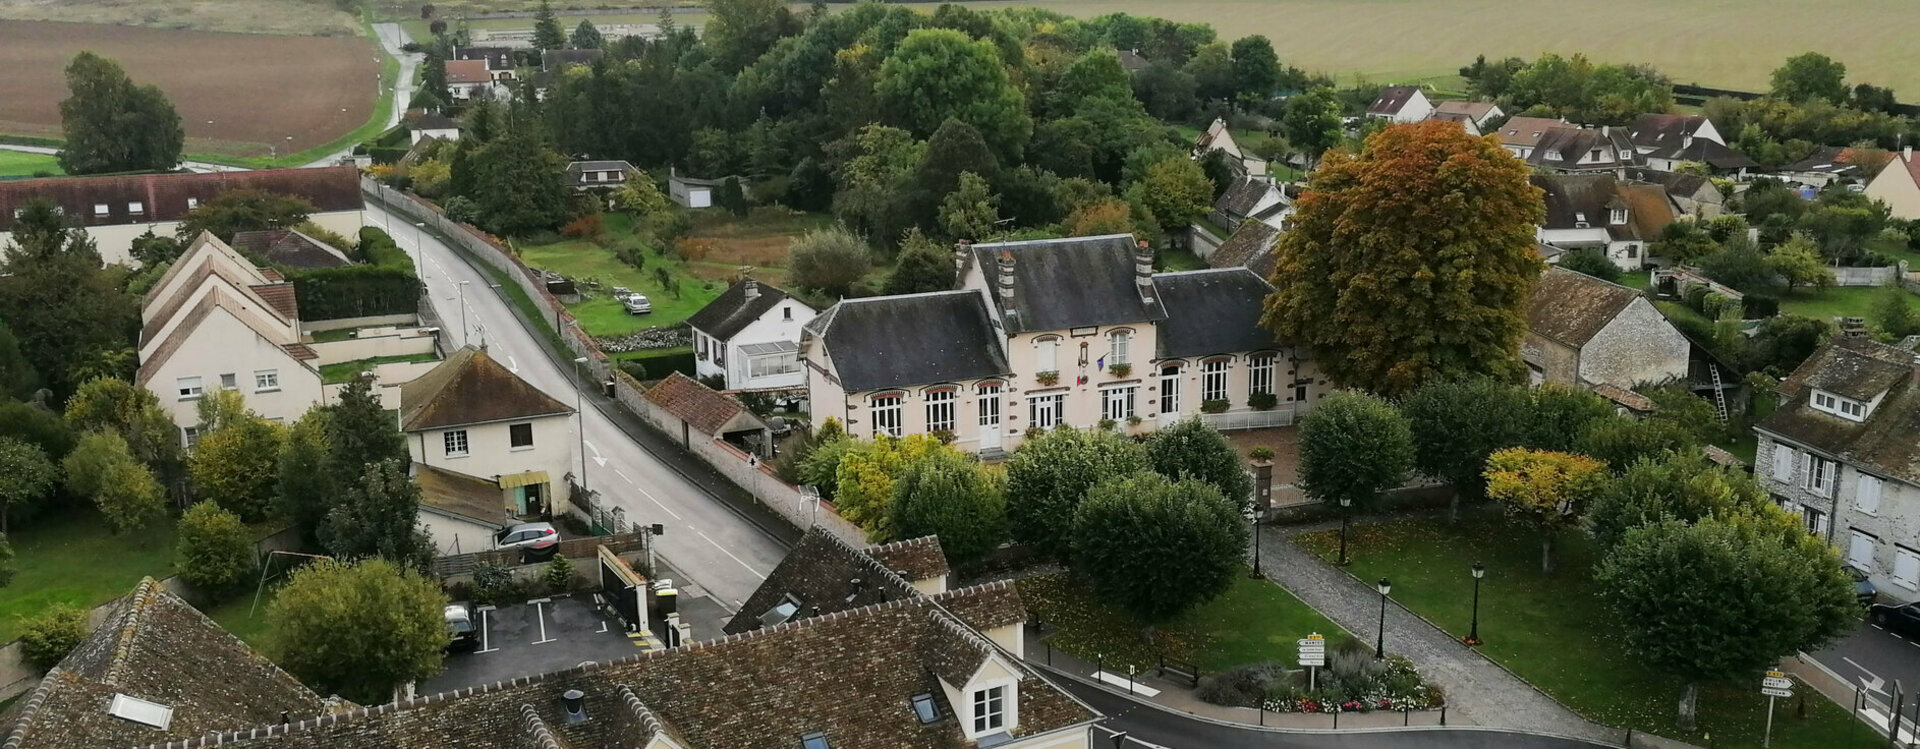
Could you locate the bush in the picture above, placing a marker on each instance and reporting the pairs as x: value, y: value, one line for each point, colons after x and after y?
x: 584, y: 227
x: 355, y: 291
x: 214, y: 548
x: 1197, y: 543
x: 1243, y: 686
x: 7, y: 568
x: 1591, y: 262
x: 1263, y: 401
x: 829, y: 260
x: 634, y: 369
x: 559, y: 575
x: 47, y: 639
x: 493, y: 584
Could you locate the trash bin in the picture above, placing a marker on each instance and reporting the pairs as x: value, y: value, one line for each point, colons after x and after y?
x: 608, y: 387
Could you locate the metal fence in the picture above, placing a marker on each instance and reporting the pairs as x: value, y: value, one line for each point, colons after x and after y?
x: 1233, y: 420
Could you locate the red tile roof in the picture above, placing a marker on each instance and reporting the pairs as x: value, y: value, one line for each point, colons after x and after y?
x: 165, y: 197
x: 281, y: 296
x: 706, y: 410
x: 468, y: 71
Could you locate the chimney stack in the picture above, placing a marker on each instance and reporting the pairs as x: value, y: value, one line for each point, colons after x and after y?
x: 1006, y: 279
x: 1143, y: 270
x: 962, y: 254
x: 1906, y: 152
x: 752, y: 290
x: 575, y: 703
x: 1606, y: 130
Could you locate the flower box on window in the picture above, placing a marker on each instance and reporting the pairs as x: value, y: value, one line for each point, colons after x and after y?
x: 1215, y: 405
x: 1263, y: 401
x: 1049, y: 377
x: 1121, y: 370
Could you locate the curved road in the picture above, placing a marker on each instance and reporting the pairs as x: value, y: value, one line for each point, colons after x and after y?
x: 706, y: 536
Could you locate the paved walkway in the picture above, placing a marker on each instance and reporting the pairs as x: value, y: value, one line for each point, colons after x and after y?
x: 1478, y: 690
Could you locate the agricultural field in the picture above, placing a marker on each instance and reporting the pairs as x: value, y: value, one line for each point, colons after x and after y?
x: 239, y: 95
x: 1724, y: 43
x: 694, y: 17
x: 290, y: 17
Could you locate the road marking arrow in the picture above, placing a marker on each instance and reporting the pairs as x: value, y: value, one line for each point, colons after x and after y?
x: 1871, y: 682
x: 597, y: 460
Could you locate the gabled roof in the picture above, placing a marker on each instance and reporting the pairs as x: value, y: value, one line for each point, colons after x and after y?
x: 1393, y: 99
x: 1888, y: 442
x: 1570, y: 307
x: 468, y: 71
x: 1245, y: 194
x: 471, y: 388
x: 1908, y: 167
x: 164, y: 197
x: 432, y: 121
x: 734, y: 310
x: 497, y: 58
x: 290, y: 249
x: 820, y: 574
x: 459, y: 495
x: 1465, y: 120
x: 154, y: 647
x: 1573, y: 199
x: 1527, y: 131
x: 1706, y: 152
x: 708, y: 411
x: 1250, y: 247
x: 1678, y: 184
x: 1660, y: 131
x: 1477, y: 110
x: 215, y: 299
x: 908, y: 340
x: 1068, y: 283
x: 1212, y: 312
x: 1219, y: 137
x: 1841, y: 161
x: 1572, y: 144
x: 914, y: 559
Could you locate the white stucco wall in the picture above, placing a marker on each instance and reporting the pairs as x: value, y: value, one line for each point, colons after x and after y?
x: 782, y: 322
x: 116, y: 242
x: 222, y: 345
x: 1895, y: 186
x: 489, y: 454
x: 1637, y: 346
x: 453, y: 535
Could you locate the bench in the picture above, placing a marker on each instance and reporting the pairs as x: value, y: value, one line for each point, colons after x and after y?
x: 1177, y: 670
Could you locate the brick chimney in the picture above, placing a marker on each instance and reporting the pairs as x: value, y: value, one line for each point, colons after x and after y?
x: 1006, y: 280
x: 962, y: 256
x: 1143, y: 271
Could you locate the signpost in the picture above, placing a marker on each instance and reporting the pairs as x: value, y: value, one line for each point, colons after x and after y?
x: 1313, y: 655
x: 1775, y: 685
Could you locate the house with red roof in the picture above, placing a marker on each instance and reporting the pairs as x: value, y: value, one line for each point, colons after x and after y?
x: 1898, y: 185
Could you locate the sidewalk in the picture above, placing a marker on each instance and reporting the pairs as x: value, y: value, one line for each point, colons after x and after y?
x: 1478, y: 690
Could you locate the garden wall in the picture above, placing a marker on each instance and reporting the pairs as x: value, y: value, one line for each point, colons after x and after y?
x: 1865, y: 276
x: 375, y: 342
x: 360, y: 322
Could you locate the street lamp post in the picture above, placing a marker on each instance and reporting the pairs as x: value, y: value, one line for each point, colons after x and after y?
x: 581, y: 415
x: 1253, y: 521
x: 1473, y: 634
x: 463, y: 312
x: 1346, y: 519
x: 1380, y: 645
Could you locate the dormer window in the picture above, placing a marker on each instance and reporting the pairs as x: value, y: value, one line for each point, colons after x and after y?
x: 1579, y: 221
x: 990, y: 709
x: 1626, y: 155
x: 1617, y: 216
x: 1595, y: 155
x: 1553, y: 156
x: 1845, y: 408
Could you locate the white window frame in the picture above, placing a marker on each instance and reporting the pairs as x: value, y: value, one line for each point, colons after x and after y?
x: 1860, y: 550
x: 454, y: 443
x: 190, y: 436
x: 941, y: 405
x: 773, y: 365
x: 101, y: 209
x: 189, y: 388
x: 1050, y: 405
x: 193, y: 203
x: 1822, y: 475
x: 229, y: 381
x: 1617, y: 216
x: 1117, y: 403
x: 990, y: 710
x: 1118, y: 345
x: 1213, y: 379
x: 1906, y: 567
x: 136, y: 207
x: 1783, y: 460
x: 1866, y: 495
x: 1046, y: 354
x: 988, y: 398
x: 1260, y: 374
x: 888, y: 414
x: 266, y: 380
x: 1170, y: 388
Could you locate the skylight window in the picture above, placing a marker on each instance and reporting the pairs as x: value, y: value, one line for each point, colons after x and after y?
x: 925, y: 708
x: 814, y: 741
x: 780, y: 613
x: 140, y: 711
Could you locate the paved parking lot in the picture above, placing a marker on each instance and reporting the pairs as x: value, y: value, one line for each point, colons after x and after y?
x: 534, y: 638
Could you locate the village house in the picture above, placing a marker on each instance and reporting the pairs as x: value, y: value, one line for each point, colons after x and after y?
x: 697, y: 414
x: 1481, y: 113
x: 1829, y: 164
x: 498, y: 59
x: 1559, y: 146
x: 432, y: 125
x: 1253, y: 198
x: 1463, y: 120
x: 599, y: 175
x: 1250, y: 246
x: 1618, y: 217
x: 1076, y: 331
x: 690, y: 192
x: 1692, y: 194
x: 1666, y: 141
x: 487, y: 448
x: 1219, y: 138
x: 1400, y: 105
x: 288, y: 248
x: 1585, y: 332
x: 1841, y: 450
x: 470, y: 79
x: 749, y: 337
x: 214, y: 321
x: 115, y: 210
x: 1898, y: 185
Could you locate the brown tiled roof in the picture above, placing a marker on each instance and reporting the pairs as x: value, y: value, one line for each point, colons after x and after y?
x: 914, y: 559
x: 289, y: 248
x: 461, y: 495
x: 468, y: 71
x: 280, y: 296
x: 1722, y: 457
x: 1527, y: 131
x: 984, y: 607
x: 708, y: 411
x: 1624, y: 397
x: 155, y: 647
x: 1889, y: 440
x: 1475, y: 110
x: 163, y: 197
x: 819, y: 573
x: 1250, y: 246
x: 272, y: 275
x: 1571, y: 307
x: 1392, y: 99
x: 471, y: 388
x: 301, y: 351
x: 1649, y: 210
x: 216, y: 299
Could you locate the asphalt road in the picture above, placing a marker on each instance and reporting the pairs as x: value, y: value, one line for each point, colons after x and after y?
x: 1150, y: 727
x: 391, y: 36
x: 706, y: 537
x: 1873, y: 657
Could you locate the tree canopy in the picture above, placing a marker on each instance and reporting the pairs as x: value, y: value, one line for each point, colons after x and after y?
x: 947, y: 494
x: 1049, y: 476
x: 1352, y: 447
x: 110, y: 124
x: 1410, y: 261
x: 1190, y: 449
x: 941, y: 73
x: 358, y: 630
x: 1157, y: 547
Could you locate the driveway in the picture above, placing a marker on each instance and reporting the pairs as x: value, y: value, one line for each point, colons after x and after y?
x: 536, y: 637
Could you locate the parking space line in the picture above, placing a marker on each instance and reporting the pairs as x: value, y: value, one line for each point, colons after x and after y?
x: 484, y: 611
x: 723, y: 550
x: 540, y: 610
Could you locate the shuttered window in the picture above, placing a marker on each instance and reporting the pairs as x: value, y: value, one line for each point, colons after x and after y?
x: 1860, y: 552
x: 1866, y: 498
x: 1906, y: 567
x: 1783, y: 460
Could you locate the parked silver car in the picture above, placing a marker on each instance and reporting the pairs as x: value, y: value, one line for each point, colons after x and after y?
x: 535, y: 540
x: 637, y: 304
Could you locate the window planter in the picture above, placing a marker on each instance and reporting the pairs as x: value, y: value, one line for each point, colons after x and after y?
x: 1263, y: 401
x: 1215, y: 406
x: 1107, y: 425
x: 1133, y: 421
x: 1048, y: 378
x: 1121, y: 370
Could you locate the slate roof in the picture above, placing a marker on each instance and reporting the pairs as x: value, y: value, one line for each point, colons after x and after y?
x: 1574, y: 143
x: 432, y: 121
x: 1244, y: 194
x: 1664, y: 131
x: 1392, y: 100
x: 471, y: 388
x: 163, y: 197
x: 1476, y: 110
x: 1676, y: 183
x: 1706, y: 152
x: 468, y: 71
x: 290, y: 249
x: 732, y: 311
x: 1466, y: 121
x: 914, y: 559
x: 908, y: 340
x: 1570, y: 307
x: 497, y: 58
x: 1250, y: 247
x: 155, y: 647
x: 1845, y: 162
x: 467, y: 497
x: 1068, y: 283
x: 1212, y: 312
x: 1527, y: 131
x: 708, y: 411
x: 558, y: 59
x: 1889, y: 440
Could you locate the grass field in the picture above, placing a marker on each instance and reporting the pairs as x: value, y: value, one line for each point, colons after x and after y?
x: 1554, y: 631
x: 1828, y: 303
x: 73, y: 559
x: 1253, y: 621
x: 1728, y: 43
x: 345, y: 371
x: 288, y: 17
x: 244, y: 96
x: 17, y: 164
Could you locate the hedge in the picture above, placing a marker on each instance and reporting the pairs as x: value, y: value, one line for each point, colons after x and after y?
x: 355, y: 291
x: 663, y: 363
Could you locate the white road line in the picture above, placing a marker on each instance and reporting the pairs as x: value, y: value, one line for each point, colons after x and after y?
x: 1111, y: 733
x: 597, y: 460
x: 483, y: 633
x: 512, y: 366
x: 540, y: 609
x: 623, y: 476
x: 723, y: 550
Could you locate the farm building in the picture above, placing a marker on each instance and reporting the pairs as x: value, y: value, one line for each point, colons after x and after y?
x: 117, y: 209
x: 698, y: 193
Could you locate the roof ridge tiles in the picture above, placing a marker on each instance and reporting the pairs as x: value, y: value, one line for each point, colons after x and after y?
x: 536, y: 729
x: 648, y: 721
x: 32, y: 706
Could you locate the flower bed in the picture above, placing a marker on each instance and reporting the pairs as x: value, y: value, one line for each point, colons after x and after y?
x: 1353, y: 682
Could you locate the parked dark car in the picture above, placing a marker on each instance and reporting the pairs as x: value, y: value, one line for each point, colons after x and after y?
x: 464, y: 635
x: 1863, y: 589
x: 1902, y: 618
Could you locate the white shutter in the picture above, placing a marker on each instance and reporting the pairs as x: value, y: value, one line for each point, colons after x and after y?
x: 1906, y: 567
x: 1866, y: 498
x: 1783, y: 459
x: 1860, y: 554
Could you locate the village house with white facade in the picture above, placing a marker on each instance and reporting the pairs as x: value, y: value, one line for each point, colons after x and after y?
x: 749, y: 337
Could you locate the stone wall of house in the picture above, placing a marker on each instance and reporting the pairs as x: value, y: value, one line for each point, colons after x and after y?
x: 1637, y: 346
x: 1556, y: 362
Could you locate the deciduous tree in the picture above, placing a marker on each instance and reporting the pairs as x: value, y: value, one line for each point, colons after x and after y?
x: 236, y: 466
x: 1893, y: 312
x: 213, y: 549
x: 58, y: 301
x: 971, y: 210
x: 243, y: 209
x: 379, y: 516
x: 359, y: 630
x: 829, y: 260
x: 939, y: 73
x: 1622, y: 441
x: 110, y: 124
x: 922, y: 266
x: 1679, y: 486
x: 1192, y: 450
x: 46, y: 639
x: 1198, y: 543
x: 1544, y: 488
x: 1410, y: 261
x: 1352, y: 447
x: 867, y: 475
x: 7, y: 567
x: 1457, y: 424
x: 949, y: 495
x: 1799, y: 263
x: 1312, y: 122
x: 17, y: 376
x: 1811, y: 76
x: 1212, y: 71
x: 29, y: 478
x: 306, y: 484
x: 1256, y: 69
x: 1559, y: 416
x: 1176, y: 191
x: 1049, y: 476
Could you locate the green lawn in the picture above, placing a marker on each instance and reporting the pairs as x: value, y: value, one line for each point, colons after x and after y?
x: 1253, y: 621
x: 21, y: 164
x: 329, y: 336
x: 1554, y: 631
x: 241, y: 617
x: 345, y: 371
x: 1837, y: 301
x: 73, y: 559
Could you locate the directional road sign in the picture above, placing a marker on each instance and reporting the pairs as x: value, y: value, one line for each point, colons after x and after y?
x: 1316, y: 662
x: 1776, y: 682
x: 1771, y: 692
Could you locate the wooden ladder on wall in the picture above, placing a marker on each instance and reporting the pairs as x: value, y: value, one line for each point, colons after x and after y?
x: 1719, y: 391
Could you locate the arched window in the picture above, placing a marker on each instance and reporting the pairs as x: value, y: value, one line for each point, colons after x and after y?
x: 886, y: 415
x: 1046, y: 354
x: 1118, y: 344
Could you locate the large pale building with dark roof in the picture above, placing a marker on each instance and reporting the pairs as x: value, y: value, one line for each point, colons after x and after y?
x: 1076, y: 331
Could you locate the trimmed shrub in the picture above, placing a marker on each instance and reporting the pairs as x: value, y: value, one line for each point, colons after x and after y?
x: 47, y: 639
